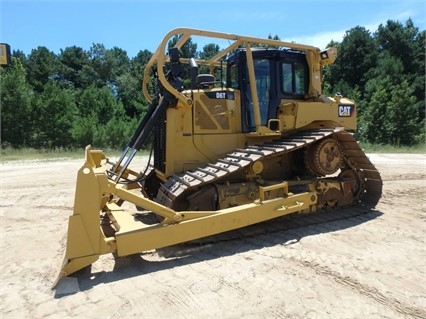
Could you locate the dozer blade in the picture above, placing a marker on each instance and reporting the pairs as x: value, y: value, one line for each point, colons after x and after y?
x: 85, y: 241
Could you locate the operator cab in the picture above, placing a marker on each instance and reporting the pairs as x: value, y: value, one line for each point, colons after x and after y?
x: 279, y: 74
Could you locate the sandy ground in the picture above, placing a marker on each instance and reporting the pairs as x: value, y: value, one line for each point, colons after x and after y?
x: 370, y: 266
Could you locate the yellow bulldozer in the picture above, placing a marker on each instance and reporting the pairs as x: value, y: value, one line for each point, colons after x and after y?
x: 251, y: 138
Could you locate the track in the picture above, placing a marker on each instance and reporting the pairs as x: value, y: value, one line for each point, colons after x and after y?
x: 358, y: 161
x: 180, y: 184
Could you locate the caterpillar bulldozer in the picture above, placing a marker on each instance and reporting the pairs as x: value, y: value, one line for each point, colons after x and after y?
x: 250, y: 139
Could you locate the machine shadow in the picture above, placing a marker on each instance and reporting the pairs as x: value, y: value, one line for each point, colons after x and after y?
x: 185, y: 254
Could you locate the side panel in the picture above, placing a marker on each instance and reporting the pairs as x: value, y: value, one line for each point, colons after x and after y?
x: 201, y: 134
x: 217, y: 122
x: 294, y: 115
x: 180, y: 150
x: 216, y: 112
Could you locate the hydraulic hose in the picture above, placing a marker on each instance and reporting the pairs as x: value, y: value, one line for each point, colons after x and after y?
x: 142, y: 133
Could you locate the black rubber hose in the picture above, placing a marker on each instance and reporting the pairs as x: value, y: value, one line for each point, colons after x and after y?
x: 142, y: 123
x: 149, y: 125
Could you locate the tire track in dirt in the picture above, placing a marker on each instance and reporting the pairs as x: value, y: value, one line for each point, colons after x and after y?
x: 316, y: 265
x: 365, y: 290
x: 315, y: 261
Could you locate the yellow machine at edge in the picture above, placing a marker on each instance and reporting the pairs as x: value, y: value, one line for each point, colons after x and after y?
x: 249, y: 139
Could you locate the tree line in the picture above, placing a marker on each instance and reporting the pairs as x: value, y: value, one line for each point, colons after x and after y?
x: 80, y: 97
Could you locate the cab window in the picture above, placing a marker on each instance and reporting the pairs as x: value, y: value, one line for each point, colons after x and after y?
x: 293, y: 78
x: 232, y: 77
x: 262, y: 72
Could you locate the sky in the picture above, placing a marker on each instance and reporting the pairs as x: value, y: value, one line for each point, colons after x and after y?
x: 135, y: 25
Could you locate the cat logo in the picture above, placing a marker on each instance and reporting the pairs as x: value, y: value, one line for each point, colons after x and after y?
x: 345, y: 110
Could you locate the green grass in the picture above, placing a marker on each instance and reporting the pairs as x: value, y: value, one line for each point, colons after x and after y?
x: 10, y: 154
x: 375, y: 148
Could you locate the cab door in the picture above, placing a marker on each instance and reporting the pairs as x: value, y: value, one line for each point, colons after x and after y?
x: 265, y: 86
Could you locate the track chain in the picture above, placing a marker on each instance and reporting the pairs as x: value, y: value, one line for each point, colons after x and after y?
x: 359, y: 162
x: 234, y: 162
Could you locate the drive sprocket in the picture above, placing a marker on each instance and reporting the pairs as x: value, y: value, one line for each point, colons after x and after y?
x: 324, y: 157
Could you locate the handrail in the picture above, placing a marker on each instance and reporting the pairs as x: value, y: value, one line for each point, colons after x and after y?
x: 159, y: 57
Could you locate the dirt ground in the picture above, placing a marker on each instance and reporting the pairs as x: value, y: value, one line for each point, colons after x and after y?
x: 370, y: 266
